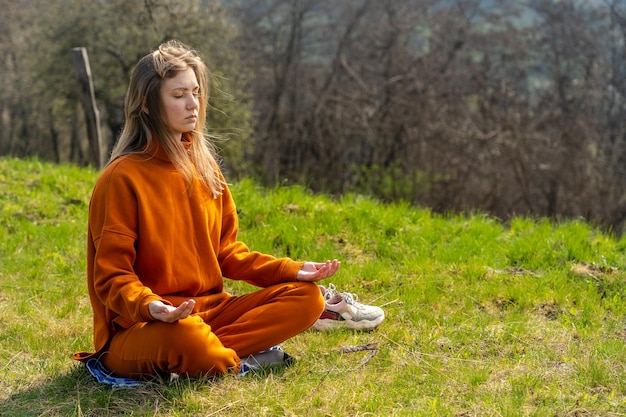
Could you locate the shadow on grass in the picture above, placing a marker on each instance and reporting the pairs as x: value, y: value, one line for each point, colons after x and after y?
x: 77, y: 393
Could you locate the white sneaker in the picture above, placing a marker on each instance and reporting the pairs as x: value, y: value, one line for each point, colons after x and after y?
x: 343, y: 310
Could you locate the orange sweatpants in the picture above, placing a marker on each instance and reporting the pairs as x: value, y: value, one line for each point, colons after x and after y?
x: 211, y: 342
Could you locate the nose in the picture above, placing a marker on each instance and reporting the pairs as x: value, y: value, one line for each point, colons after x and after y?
x: 192, y: 102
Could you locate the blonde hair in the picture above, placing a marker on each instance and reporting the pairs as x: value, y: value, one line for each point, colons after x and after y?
x: 144, y: 121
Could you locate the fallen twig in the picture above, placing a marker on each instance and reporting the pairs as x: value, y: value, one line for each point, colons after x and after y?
x: 358, y: 348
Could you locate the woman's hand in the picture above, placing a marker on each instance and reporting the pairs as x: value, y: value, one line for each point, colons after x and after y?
x: 317, y: 271
x: 169, y: 314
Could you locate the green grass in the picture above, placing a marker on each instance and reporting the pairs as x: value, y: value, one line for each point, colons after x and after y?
x: 482, y: 318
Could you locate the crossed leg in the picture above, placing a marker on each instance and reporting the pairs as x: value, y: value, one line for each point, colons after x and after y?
x: 211, y: 342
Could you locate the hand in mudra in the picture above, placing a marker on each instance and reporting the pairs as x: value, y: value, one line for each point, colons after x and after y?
x: 169, y: 314
x: 317, y: 271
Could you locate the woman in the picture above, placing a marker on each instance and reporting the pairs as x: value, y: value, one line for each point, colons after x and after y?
x: 163, y: 234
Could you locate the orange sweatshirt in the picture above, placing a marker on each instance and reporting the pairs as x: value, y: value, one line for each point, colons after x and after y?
x: 150, y: 239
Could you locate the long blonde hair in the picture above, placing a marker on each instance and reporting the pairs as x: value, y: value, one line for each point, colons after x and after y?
x: 142, y: 127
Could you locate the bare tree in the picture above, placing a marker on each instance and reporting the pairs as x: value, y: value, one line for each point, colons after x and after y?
x: 458, y: 105
x: 508, y: 106
x: 116, y: 34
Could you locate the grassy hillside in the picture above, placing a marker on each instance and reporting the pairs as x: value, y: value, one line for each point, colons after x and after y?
x: 483, y: 318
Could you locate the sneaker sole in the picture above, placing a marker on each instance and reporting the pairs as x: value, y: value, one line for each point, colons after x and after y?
x: 328, y: 324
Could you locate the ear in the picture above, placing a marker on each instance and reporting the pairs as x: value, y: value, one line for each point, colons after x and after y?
x: 144, y: 108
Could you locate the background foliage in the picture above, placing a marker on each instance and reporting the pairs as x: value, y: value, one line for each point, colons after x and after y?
x: 511, y: 107
x: 39, y: 98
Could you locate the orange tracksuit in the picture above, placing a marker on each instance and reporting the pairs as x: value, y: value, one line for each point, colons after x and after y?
x: 150, y: 239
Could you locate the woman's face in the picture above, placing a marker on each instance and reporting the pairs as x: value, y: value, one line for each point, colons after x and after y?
x: 179, y: 96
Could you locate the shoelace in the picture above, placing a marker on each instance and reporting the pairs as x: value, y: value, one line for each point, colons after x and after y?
x: 350, y: 298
